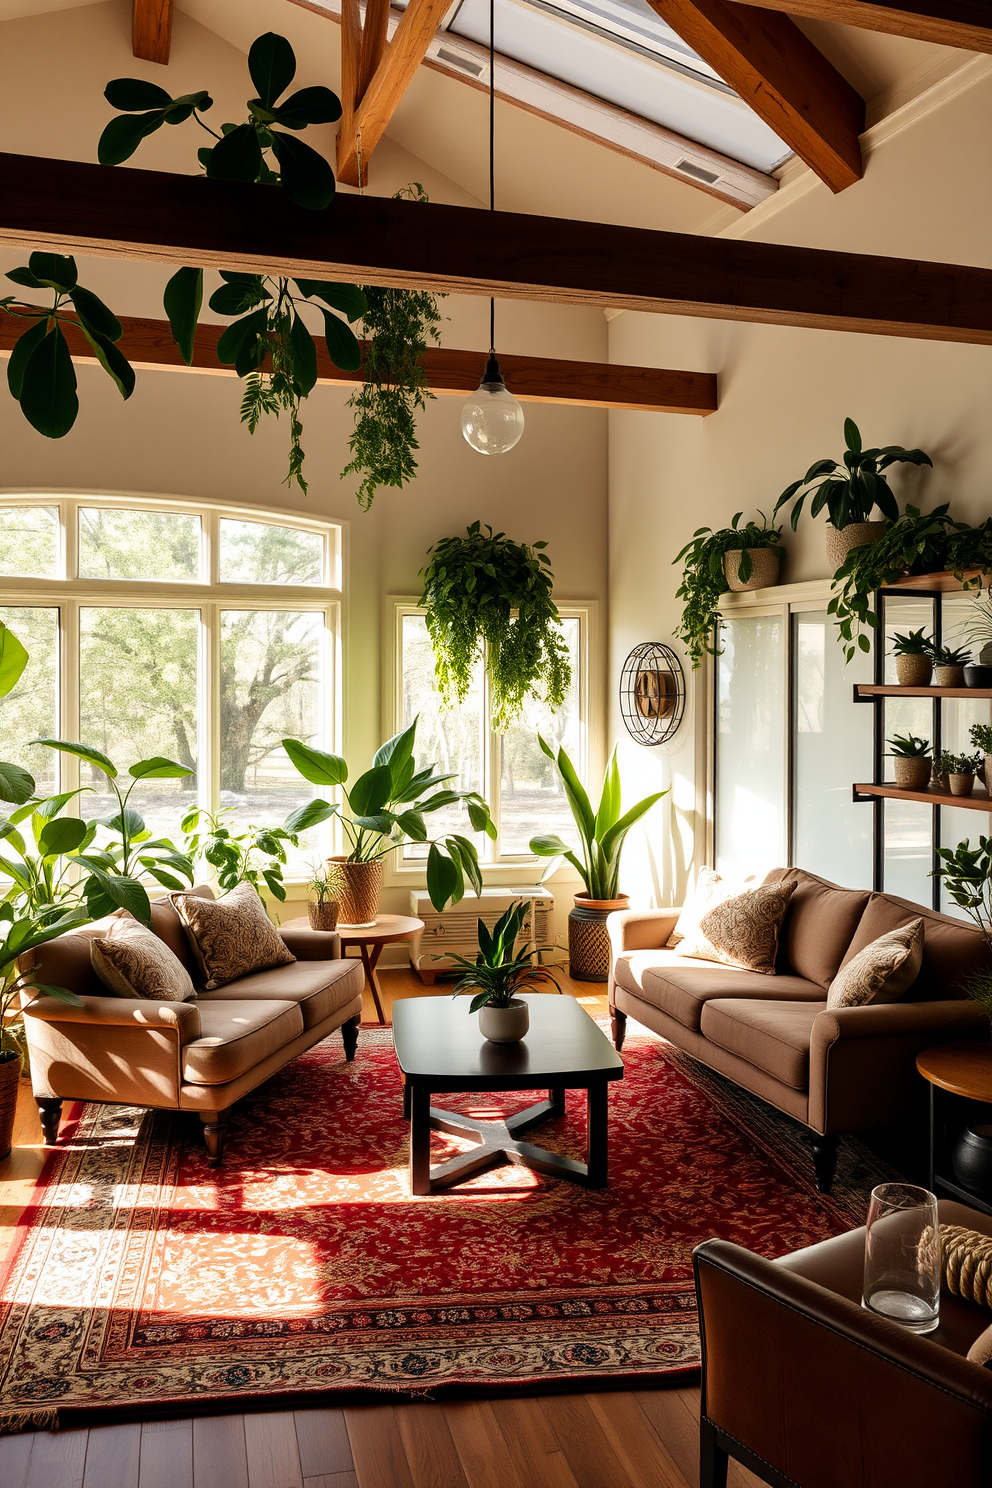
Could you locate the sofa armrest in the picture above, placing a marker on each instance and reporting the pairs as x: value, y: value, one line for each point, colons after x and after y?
x: 313, y: 945
x: 960, y: 1016
x: 141, y: 1012
x: 640, y: 930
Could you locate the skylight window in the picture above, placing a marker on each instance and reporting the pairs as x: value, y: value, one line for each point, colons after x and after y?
x: 635, y: 25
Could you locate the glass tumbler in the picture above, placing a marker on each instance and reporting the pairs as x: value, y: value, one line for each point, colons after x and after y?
x: 902, y: 1257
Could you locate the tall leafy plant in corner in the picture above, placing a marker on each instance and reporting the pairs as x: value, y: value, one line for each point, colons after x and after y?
x: 850, y: 489
x: 485, y: 590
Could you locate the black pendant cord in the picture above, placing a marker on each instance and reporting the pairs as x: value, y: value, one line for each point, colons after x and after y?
x: 492, y: 156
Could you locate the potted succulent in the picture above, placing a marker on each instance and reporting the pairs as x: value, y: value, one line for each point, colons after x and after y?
x: 602, y: 834
x: 912, y: 653
x: 948, y: 665
x: 733, y: 557
x: 385, y: 808
x: 498, y: 974
x: 959, y: 770
x: 981, y: 737
x: 322, y: 907
x: 912, y: 762
x: 850, y: 492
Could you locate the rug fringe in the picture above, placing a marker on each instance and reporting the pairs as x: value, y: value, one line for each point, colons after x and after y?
x: 29, y: 1420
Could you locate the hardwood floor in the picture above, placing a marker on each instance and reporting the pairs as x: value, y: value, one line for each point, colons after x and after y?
x: 613, y: 1439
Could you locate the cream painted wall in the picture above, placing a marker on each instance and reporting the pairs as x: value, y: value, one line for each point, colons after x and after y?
x: 784, y: 393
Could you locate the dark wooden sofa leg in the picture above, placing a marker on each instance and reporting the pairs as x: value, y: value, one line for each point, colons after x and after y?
x: 349, y: 1035
x: 713, y: 1460
x: 618, y: 1022
x: 214, y: 1132
x: 824, y: 1160
x: 50, y: 1111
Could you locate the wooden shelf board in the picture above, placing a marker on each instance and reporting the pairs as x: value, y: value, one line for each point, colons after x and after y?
x: 893, y: 689
x: 979, y: 801
x: 936, y: 583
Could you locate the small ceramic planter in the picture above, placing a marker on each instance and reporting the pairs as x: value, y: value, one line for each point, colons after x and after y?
x: 504, y: 1025
x: 961, y: 785
x: 949, y: 676
x: 978, y: 676
x: 912, y: 773
x: 914, y: 671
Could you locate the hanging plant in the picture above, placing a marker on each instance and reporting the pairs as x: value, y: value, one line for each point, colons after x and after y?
x: 486, y: 589
x: 397, y: 325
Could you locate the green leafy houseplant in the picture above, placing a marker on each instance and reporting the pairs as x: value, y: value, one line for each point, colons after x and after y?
x: 485, y: 590
x: 40, y: 374
x: 966, y: 874
x: 388, y: 806
x: 914, y: 643
x: 704, y: 578
x: 908, y: 746
x: 256, y: 856
x: 981, y: 736
x: 947, y: 656
x: 602, y: 832
x: 912, y: 762
x: 498, y: 973
x: 850, y: 490
x: 947, y: 764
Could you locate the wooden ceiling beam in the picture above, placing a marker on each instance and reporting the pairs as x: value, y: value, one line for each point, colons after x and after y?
x: 148, y: 343
x: 952, y: 23
x: 779, y: 73
x: 151, y: 29
x: 158, y: 217
x: 374, y: 34
x: 396, y: 70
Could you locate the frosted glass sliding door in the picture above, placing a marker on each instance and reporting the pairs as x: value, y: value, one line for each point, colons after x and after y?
x: 751, y: 697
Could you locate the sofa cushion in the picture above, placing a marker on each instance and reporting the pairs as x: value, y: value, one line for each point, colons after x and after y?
x: 169, y: 927
x: 235, y: 1036
x: 819, y: 925
x: 953, y: 950
x: 132, y: 961
x: 882, y: 972
x: 318, y: 988
x: 743, y: 931
x: 231, y: 936
x: 681, y: 987
x: 709, y: 890
x: 773, y: 1036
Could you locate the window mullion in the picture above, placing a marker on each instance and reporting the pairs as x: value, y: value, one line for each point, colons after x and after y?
x: 69, y: 688
x: 209, y: 707
x: 492, y: 761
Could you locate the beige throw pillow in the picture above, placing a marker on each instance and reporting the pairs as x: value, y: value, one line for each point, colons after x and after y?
x: 131, y: 961
x: 882, y: 972
x: 231, y: 936
x: 743, y: 931
x: 710, y: 890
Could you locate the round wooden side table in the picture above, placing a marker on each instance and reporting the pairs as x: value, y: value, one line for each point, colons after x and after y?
x: 965, y: 1071
x: 370, y: 940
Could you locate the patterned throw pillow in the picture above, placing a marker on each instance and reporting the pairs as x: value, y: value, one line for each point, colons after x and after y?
x: 743, y: 931
x: 710, y: 890
x: 131, y: 961
x: 882, y: 972
x: 230, y: 936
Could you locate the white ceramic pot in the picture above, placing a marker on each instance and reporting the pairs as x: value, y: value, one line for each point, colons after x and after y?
x: 854, y: 535
x: 961, y: 785
x: 912, y: 773
x: 504, y: 1025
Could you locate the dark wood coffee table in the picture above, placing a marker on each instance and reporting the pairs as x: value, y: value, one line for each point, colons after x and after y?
x: 439, y: 1047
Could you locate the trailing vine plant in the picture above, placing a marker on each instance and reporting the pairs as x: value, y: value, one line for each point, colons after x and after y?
x: 485, y: 589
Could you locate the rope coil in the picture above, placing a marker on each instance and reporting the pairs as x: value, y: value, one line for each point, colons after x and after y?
x: 966, y: 1263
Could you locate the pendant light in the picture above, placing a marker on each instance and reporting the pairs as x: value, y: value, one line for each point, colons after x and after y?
x: 492, y: 419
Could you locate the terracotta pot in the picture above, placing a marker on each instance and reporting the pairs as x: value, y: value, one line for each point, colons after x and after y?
x: 912, y: 774
x: 948, y: 676
x: 10, y: 1073
x: 323, y: 916
x: 961, y: 785
x: 505, y: 1025
x: 357, y: 888
x: 764, y: 569
x: 914, y: 671
x: 854, y: 535
x: 589, y: 939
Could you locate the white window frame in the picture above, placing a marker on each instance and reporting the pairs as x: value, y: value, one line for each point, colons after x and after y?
x: 70, y: 594
x: 510, y: 867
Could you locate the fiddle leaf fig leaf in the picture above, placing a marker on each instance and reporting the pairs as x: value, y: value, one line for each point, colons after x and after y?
x: 94, y: 315
x: 123, y: 135
x: 237, y: 157
x: 317, y: 105
x: 343, y: 346
x: 182, y: 300
x: 131, y: 95
x: 271, y: 67
x: 306, y: 176
x: 48, y: 387
x: 347, y: 298
x: 53, y: 270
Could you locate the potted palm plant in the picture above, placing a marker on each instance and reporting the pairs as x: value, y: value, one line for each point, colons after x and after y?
x: 385, y: 808
x: 498, y: 974
x: 911, y: 759
x: 912, y: 653
x: 602, y: 834
x: 850, y: 491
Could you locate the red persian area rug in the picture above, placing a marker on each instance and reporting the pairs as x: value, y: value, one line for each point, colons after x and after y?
x: 142, y: 1281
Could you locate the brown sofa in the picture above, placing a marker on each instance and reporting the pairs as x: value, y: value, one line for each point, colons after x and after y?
x: 840, y: 1070
x: 197, y: 1056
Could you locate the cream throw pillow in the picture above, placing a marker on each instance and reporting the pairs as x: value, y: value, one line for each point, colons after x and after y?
x: 131, y: 961
x: 743, y: 931
x: 230, y: 936
x: 710, y: 890
x: 882, y: 972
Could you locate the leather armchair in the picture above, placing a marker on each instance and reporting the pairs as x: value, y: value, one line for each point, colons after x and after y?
x: 809, y: 1390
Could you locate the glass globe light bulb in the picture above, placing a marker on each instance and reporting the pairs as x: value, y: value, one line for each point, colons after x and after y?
x: 492, y: 419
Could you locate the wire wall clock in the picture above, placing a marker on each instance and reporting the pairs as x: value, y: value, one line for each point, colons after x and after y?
x: 652, y: 693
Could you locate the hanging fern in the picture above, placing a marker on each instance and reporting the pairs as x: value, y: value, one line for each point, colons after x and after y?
x: 485, y: 588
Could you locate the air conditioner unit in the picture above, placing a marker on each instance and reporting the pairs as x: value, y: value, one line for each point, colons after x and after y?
x: 457, y: 929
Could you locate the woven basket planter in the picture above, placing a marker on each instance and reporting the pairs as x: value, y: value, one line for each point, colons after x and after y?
x: 914, y: 671
x: 10, y: 1074
x: 764, y: 569
x: 912, y: 773
x: 854, y: 535
x: 357, y: 888
x: 323, y: 916
x: 589, y: 939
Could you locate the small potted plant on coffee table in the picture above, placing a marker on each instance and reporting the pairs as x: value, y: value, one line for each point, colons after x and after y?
x: 948, y: 665
x: 322, y: 906
x: 498, y: 974
x: 912, y: 653
x: 912, y: 761
x: 981, y: 736
x: 959, y: 770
